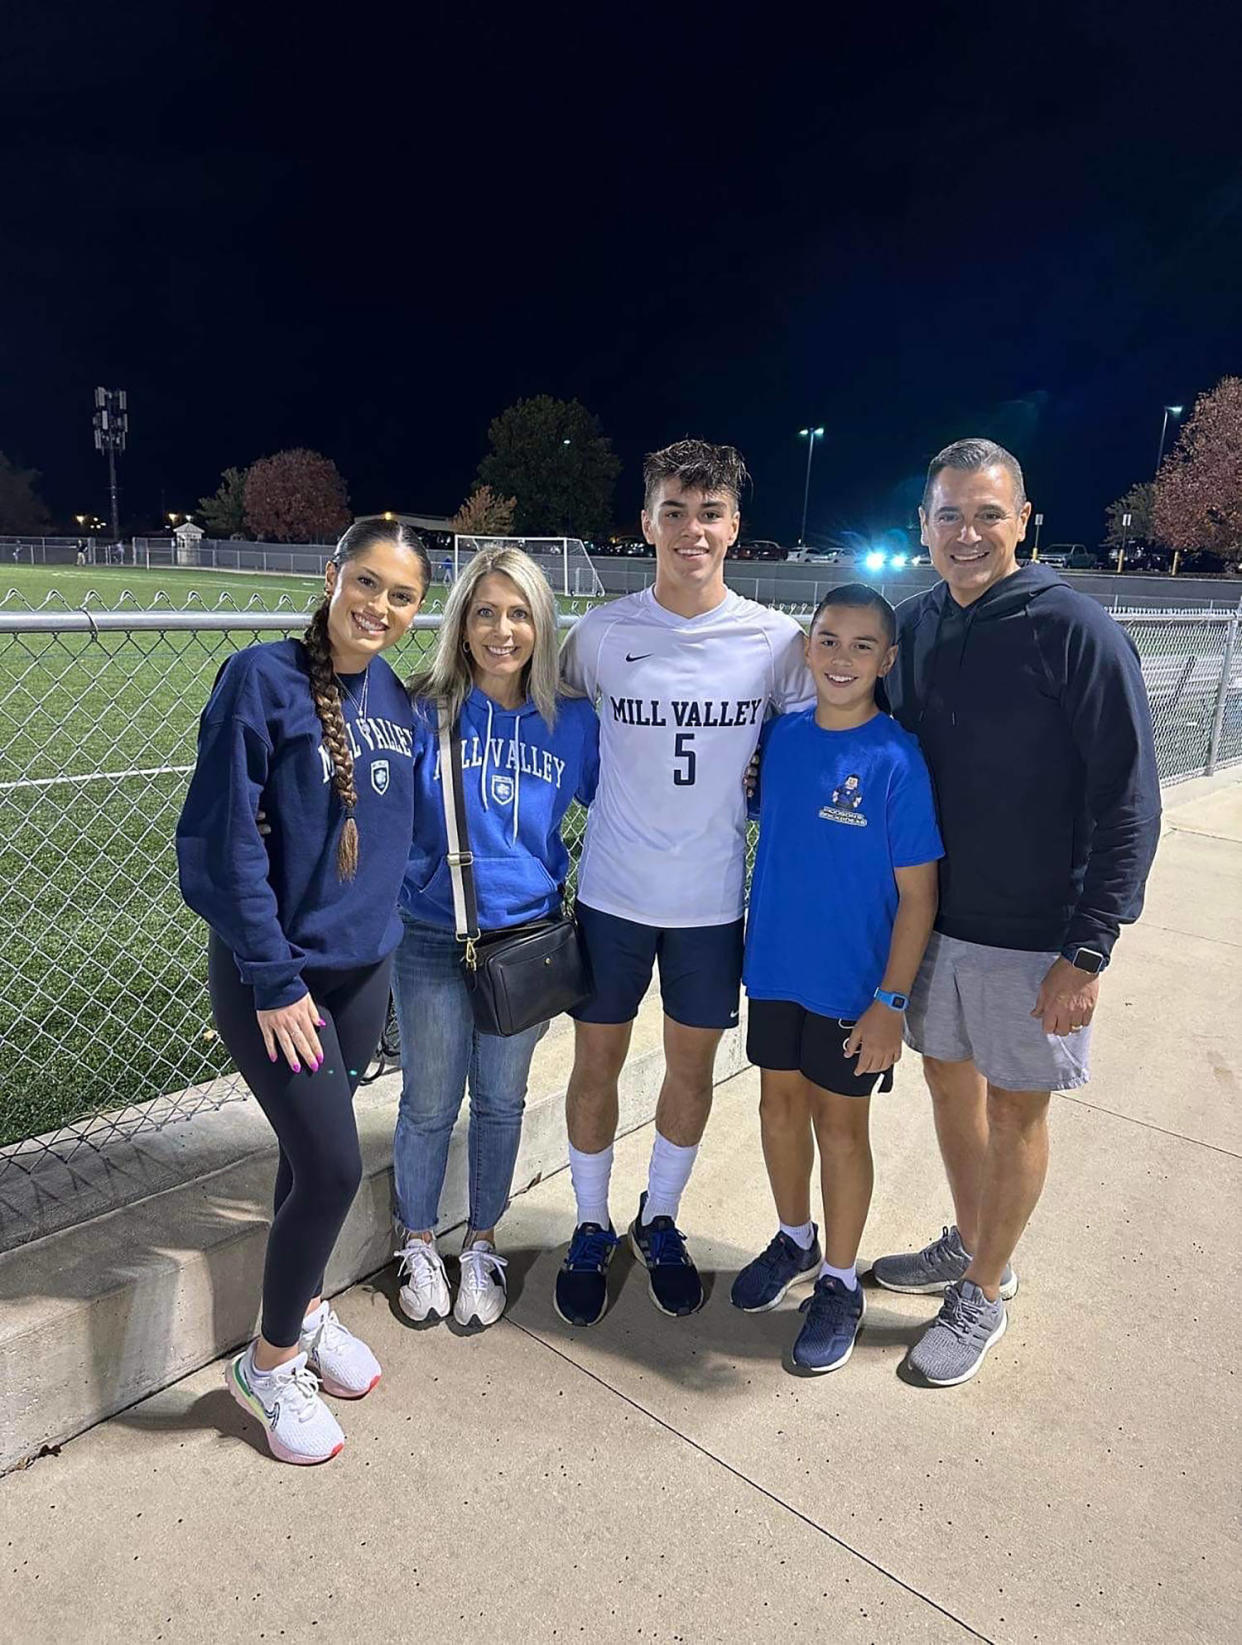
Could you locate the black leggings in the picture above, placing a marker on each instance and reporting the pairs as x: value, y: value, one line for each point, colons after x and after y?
x: 313, y: 1117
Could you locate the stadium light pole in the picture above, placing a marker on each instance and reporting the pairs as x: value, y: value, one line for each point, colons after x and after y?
x: 810, y: 435
x: 111, y: 422
x: 1169, y: 411
x: 565, y: 541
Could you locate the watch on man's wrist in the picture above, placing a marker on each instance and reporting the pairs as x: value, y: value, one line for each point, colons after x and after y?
x: 895, y: 1002
x: 1086, y: 959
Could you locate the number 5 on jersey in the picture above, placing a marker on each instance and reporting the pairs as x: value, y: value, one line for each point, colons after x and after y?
x: 683, y: 750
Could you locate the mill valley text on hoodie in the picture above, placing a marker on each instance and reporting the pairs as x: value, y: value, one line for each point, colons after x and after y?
x: 279, y: 904
x: 518, y: 778
x: 1032, y: 713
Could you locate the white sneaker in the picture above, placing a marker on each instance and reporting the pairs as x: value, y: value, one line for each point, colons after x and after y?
x: 425, y: 1291
x: 482, y: 1294
x: 344, y: 1364
x: 299, y: 1426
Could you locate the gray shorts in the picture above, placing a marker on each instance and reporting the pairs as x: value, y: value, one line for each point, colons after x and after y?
x: 973, y: 1003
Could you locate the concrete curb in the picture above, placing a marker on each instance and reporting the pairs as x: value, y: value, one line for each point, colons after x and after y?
x: 97, y: 1316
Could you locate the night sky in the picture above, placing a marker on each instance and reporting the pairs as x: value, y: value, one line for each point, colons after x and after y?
x: 369, y: 236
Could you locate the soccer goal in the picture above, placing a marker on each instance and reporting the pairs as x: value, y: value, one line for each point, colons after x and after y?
x: 564, y: 561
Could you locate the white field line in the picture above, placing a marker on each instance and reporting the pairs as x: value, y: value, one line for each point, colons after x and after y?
x: 97, y: 777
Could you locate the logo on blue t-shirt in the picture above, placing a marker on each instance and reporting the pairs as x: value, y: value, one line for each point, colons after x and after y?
x: 502, y: 790
x: 379, y: 776
x: 846, y: 807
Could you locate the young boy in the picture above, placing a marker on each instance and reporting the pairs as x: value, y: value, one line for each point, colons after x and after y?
x: 841, y: 907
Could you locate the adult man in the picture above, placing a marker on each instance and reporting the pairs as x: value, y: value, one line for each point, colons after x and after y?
x: 684, y: 674
x: 1029, y: 702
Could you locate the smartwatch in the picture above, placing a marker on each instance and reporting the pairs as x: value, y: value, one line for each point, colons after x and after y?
x: 895, y: 1002
x: 1086, y: 959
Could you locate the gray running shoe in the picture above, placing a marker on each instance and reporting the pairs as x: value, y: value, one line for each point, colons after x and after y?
x: 941, y: 1263
x: 951, y: 1349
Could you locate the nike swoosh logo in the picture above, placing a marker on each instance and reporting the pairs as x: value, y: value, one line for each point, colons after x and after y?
x: 642, y: 656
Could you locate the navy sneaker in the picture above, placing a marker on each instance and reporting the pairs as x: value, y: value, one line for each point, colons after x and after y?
x: 834, y: 1315
x: 672, y: 1278
x: 581, y: 1293
x: 763, y: 1282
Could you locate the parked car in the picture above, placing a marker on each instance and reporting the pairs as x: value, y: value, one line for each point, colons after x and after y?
x: 760, y: 548
x: 1057, y: 555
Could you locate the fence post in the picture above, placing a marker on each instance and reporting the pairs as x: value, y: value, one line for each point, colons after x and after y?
x: 1222, y: 692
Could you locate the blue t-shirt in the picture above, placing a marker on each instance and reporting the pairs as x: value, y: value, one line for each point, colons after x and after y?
x: 838, y: 812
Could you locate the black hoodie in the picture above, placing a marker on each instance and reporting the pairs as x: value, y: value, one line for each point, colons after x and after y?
x: 1033, y: 716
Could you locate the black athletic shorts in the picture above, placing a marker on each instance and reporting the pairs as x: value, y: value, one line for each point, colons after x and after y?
x: 789, y: 1039
x: 700, y: 969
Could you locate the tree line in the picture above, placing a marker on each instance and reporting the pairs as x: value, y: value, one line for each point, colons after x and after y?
x: 550, y: 470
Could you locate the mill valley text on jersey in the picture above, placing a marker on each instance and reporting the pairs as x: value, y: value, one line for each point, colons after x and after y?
x: 722, y: 712
x: 681, y: 703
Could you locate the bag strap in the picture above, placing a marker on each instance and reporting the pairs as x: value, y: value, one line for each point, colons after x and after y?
x: 460, y: 857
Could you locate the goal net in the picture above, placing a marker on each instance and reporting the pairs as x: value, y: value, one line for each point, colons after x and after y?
x: 564, y: 561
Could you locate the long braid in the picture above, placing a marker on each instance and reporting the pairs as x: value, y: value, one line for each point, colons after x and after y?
x: 327, y: 696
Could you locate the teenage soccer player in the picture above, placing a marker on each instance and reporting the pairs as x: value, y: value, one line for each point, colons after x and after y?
x: 841, y: 907
x: 684, y: 674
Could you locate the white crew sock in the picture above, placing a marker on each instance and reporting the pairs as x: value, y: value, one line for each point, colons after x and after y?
x: 667, y: 1177
x: 263, y: 1381
x: 314, y: 1320
x: 847, y: 1276
x: 590, y: 1174
x: 802, y: 1236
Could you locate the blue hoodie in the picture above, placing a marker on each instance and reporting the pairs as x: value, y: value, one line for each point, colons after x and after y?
x: 279, y: 904
x: 518, y: 780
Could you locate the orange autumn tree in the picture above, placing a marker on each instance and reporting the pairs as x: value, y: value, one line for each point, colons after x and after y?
x: 296, y: 496
x: 1198, y: 501
x: 485, y: 514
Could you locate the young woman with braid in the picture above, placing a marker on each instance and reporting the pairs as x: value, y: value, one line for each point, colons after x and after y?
x: 317, y: 734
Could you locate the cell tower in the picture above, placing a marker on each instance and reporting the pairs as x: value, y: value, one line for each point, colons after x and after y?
x: 111, y: 427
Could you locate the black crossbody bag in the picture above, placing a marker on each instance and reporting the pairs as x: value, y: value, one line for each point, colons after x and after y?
x: 520, y: 975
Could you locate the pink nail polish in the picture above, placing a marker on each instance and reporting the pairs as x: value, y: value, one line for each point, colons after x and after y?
x: 297, y: 1068
x: 321, y: 1022
x: 271, y: 1056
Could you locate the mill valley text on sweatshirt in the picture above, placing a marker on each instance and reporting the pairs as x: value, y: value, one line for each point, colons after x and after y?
x: 279, y: 904
x: 1033, y: 717
x: 518, y: 780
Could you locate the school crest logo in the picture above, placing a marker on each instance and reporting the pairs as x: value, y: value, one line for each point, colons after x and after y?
x: 380, y: 776
x: 502, y: 789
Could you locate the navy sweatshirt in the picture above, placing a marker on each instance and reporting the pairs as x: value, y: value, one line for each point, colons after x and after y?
x: 279, y: 903
x: 1033, y: 716
x: 518, y: 779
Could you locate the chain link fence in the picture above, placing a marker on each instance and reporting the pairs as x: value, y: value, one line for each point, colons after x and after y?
x: 1192, y: 666
x: 103, y: 1004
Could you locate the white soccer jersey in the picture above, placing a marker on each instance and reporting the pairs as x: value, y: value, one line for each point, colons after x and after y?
x: 681, y: 702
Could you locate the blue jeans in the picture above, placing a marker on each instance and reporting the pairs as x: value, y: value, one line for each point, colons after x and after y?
x: 440, y: 1049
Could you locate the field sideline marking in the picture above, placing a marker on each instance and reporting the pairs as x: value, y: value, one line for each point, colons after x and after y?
x: 96, y: 777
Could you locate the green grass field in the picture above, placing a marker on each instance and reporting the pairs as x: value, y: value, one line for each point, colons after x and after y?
x: 102, y: 991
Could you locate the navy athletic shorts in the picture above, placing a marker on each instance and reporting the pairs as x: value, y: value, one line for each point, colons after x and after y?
x: 787, y: 1038
x: 700, y: 969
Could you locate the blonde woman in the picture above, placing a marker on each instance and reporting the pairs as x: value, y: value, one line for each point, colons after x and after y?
x: 528, y: 750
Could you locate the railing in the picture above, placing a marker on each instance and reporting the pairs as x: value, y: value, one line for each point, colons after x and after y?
x: 103, y: 1005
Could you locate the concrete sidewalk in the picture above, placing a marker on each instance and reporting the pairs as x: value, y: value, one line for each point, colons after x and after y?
x: 670, y: 1480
